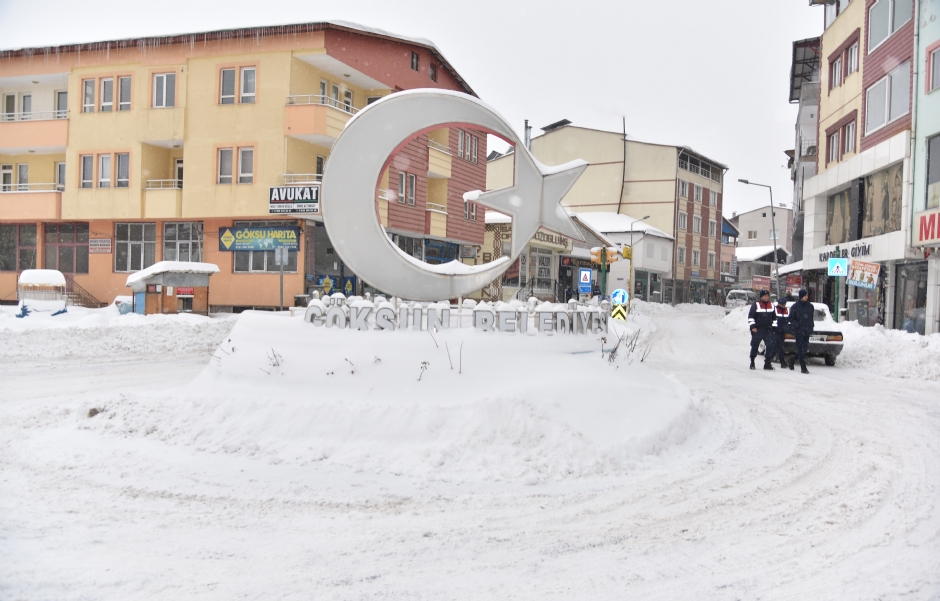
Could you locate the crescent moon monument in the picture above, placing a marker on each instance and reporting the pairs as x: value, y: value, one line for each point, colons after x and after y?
x: 359, y: 157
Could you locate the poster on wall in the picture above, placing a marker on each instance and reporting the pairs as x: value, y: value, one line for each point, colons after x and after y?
x: 258, y: 238
x: 882, y: 212
x: 863, y: 275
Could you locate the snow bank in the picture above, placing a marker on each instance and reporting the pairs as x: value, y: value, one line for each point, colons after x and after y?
x: 105, y: 335
x: 736, y: 319
x: 645, y: 308
x: 526, y: 408
x: 42, y: 277
x: 894, y: 353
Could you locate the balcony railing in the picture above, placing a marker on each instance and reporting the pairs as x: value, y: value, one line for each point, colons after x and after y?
x: 703, y: 171
x: 807, y: 148
x: 43, y: 187
x: 439, y: 146
x: 164, y: 184
x: 318, y: 99
x: 385, y: 194
x: 34, y: 116
x: 433, y: 206
x: 292, y: 179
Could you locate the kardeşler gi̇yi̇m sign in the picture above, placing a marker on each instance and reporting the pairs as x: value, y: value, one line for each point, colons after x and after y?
x: 294, y: 199
x: 258, y: 238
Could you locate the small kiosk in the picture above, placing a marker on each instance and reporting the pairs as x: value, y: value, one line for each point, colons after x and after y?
x: 170, y: 287
x: 41, y: 290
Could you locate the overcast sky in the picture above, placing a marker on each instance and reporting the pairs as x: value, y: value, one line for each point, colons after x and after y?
x: 709, y: 74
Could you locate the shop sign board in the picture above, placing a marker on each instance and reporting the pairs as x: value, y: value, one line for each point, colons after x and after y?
x: 838, y: 268
x: 927, y: 228
x: 794, y: 281
x: 349, y: 285
x: 328, y: 283
x: 294, y: 199
x: 99, y: 246
x: 760, y: 282
x: 727, y: 278
x: 185, y: 291
x: 258, y: 238
x: 584, y: 280
x: 863, y: 275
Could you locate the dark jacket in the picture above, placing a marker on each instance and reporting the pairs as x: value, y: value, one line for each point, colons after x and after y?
x: 781, y: 320
x: 801, y: 317
x: 761, y: 316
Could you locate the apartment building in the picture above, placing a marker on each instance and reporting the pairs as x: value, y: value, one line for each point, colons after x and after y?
x: 759, y: 228
x: 119, y: 154
x: 858, y: 205
x: 679, y: 190
x: 804, y: 91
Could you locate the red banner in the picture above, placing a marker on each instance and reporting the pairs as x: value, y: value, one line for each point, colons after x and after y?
x: 182, y: 291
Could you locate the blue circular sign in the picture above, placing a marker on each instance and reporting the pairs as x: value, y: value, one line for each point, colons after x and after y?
x: 619, y: 296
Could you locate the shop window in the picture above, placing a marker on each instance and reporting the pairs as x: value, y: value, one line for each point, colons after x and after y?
x: 17, y: 247
x: 182, y: 241
x: 540, y: 261
x: 882, y: 207
x: 135, y: 246
x: 838, y: 218
x: 933, y: 173
x: 66, y: 247
x: 910, y: 307
x: 253, y: 261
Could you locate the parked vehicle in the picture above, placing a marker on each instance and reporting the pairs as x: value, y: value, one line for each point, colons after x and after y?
x: 825, y: 341
x: 739, y: 298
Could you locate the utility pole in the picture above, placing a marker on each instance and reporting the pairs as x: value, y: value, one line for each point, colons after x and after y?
x: 773, y: 230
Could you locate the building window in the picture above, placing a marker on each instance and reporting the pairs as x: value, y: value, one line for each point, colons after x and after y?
x: 474, y: 159
x: 135, y: 246
x: 470, y: 211
x: 61, y: 104
x: 683, y: 189
x: 107, y: 94
x: 225, y: 165
x: 696, y: 258
x: 123, y: 169
x: 680, y: 254
x: 414, y: 61
x: 324, y: 97
x: 17, y: 247
x: 371, y: 99
x: 774, y: 234
x: 835, y: 73
x: 66, y: 247
x: 884, y: 18
x: 696, y: 224
x: 60, y: 177
x: 164, y: 90
x: 849, y: 137
x: 833, y: 148
x: 713, y: 198
x: 247, y: 95
x: 851, y: 59
x: 711, y: 260
x: 460, y: 143
x: 933, y: 172
x: 682, y: 220
x: 104, y: 170
x: 182, y: 241
x: 88, y: 170
x: 263, y: 261
x: 933, y: 71
x: 834, y: 9
x: 402, y: 191
x: 88, y: 96
x: 22, y: 177
x: 334, y: 95
x: 726, y: 267
x: 411, y: 188
x: 124, y: 93
x: 319, y: 167
x: 712, y: 228
x: 432, y: 72
x: 698, y: 193
x: 889, y: 99
x: 348, y: 100
x: 227, y: 94
x: 752, y: 235
x: 246, y: 165
x: 664, y: 253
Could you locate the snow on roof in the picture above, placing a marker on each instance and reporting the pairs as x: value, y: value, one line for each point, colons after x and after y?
x: 791, y: 268
x: 42, y: 277
x: 497, y: 217
x: 754, y: 253
x: 615, y: 223
x: 172, y: 266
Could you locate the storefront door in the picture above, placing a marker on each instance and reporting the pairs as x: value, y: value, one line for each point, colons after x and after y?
x: 910, y: 304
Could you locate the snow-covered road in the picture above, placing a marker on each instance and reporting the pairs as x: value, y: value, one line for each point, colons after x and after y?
x: 824, y: 486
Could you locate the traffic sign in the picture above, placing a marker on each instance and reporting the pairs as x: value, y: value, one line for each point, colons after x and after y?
x: 619, y: 312
x: 838, y: 268
x: 584, y: 281
x: 619, y: 296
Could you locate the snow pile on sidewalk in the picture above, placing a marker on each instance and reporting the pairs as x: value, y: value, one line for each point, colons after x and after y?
x: 893, y: 353
x: 106, y: 335
x: 645, y: 308
x: 459, y: 405
x: 736, y: 320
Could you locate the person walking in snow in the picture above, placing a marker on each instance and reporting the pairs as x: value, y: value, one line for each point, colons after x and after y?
x: 780, y: 328
x: 760, y: 320
x: 801, y: 320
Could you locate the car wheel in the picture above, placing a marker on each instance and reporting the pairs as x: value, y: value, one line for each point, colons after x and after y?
x: 830, y: 360
x: 761, y: 349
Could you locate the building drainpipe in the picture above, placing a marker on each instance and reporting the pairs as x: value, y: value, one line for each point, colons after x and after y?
x: 528, y: 136
x: 675, y: 233
x: 623, y: 179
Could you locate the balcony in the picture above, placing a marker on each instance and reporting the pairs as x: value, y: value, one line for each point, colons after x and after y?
x: 316, y: 119
x: 383, y: 196
x: 20, y: 132
x: 435, y: 219
x: 439, y: 160
x: 30, y: 202
x: 163, y: 199
x: 712, y: 174
x: 162, y: 127
x: 301, y: 179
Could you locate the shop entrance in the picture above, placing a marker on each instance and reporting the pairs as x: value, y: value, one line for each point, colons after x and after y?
x: 910, y: 303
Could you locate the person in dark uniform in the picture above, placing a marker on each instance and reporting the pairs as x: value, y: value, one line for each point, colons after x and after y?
x: 760, y: 320
x: 780, y: 328
x: 801, y: 321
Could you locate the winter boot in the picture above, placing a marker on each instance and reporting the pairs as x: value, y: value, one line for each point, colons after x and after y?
x: 768, y: 366
x: 803, y: 369
x: 792, y: 361
x: 752, y: 363
x: 783, y: 363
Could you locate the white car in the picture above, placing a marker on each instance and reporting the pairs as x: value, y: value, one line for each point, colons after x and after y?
x: 825, y: 341
x: 739, y: 298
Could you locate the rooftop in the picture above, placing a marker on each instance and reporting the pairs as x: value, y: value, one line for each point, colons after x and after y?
x: 172, y: 267
x: 757, y: 253
x: 616, y: 223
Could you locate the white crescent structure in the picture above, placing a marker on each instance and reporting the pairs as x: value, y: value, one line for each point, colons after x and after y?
x: 359, y: 157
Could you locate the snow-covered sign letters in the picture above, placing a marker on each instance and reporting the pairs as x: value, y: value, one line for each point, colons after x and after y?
x: 364, y: 150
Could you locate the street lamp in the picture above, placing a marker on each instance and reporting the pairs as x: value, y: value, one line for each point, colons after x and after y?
x: 773, y: 226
